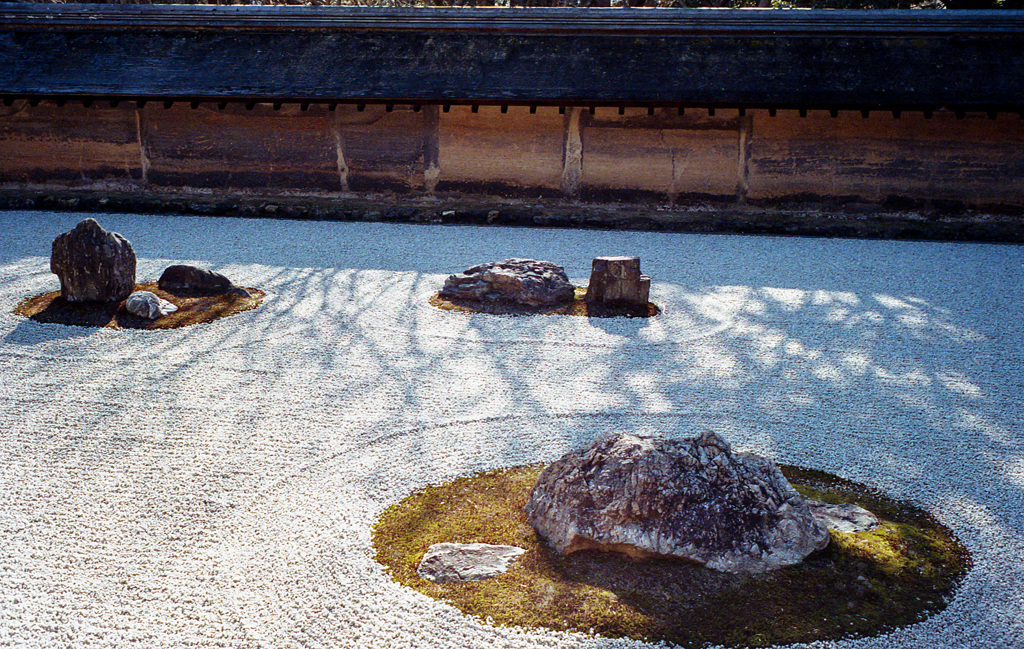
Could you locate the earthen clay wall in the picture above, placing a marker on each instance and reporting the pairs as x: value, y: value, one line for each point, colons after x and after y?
x: 606, y: 152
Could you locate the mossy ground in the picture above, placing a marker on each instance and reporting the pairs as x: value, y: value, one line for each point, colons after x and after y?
x: 193, y: 308
x: 578, y: 307
x: 861, y: 584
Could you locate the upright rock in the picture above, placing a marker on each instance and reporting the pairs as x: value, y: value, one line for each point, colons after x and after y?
x: 523, y: 281
x: 93, y: 265
x: 692, y: 498
x: 617, y: 281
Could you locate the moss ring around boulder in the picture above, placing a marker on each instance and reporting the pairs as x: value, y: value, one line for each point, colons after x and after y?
x: 862, y: 584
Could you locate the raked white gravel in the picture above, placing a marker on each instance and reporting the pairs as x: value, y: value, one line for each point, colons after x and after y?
x: 215, y: 486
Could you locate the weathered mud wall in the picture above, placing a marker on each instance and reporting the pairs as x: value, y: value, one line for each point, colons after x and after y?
x: 976, y: 159
x: 631, y: 154
x: 677, y: 107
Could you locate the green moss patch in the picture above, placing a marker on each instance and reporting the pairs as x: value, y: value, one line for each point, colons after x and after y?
x: 862, y: 584
x: 577, y: 306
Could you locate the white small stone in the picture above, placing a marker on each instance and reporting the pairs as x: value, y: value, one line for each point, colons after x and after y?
x: 148, y: 305
x: 847, y: 517
x: 466, y: 561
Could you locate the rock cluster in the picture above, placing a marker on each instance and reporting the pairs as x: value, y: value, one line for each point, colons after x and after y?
x: 466, y: 561
x: 524, y: 281
x: 617, y: 281
x: 691, y: 498
x: 93, y: 265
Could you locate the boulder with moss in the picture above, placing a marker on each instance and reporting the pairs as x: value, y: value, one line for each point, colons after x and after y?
x: 690, y: 498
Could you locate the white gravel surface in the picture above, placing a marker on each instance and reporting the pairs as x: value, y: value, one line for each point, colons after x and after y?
x: 215, y: 486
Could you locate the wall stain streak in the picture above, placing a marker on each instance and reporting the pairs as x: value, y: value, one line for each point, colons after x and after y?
x: 572, y: 169
x: 339, y: 149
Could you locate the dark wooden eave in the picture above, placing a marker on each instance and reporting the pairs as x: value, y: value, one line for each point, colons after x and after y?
x: 867, y: 60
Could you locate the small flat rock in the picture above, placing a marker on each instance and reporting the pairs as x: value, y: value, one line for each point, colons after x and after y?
x: 466, y: 561
x: 843, y: 518
x: 148, y: 305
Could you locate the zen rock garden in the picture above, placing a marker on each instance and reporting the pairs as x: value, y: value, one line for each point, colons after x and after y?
x: 629, y: 503
x: 616, y: 287
x: 681, y: 526
x: 97, y: 273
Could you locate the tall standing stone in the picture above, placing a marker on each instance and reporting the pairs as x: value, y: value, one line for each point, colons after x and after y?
x: 93, y: 265
x: 617, y: 281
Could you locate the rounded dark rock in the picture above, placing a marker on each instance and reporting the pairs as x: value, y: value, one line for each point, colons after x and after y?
x: 192, y: 278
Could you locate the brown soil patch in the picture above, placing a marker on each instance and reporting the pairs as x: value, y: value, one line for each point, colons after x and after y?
x: 193, y: 308
x: 578, y: 307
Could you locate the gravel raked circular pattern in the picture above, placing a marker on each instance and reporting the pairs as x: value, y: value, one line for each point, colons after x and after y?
x: 215, y: 486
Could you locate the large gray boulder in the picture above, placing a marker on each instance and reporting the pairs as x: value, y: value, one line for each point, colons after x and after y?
x: 93, y: 265
x: 690, y: 498
x: 523, y: 281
